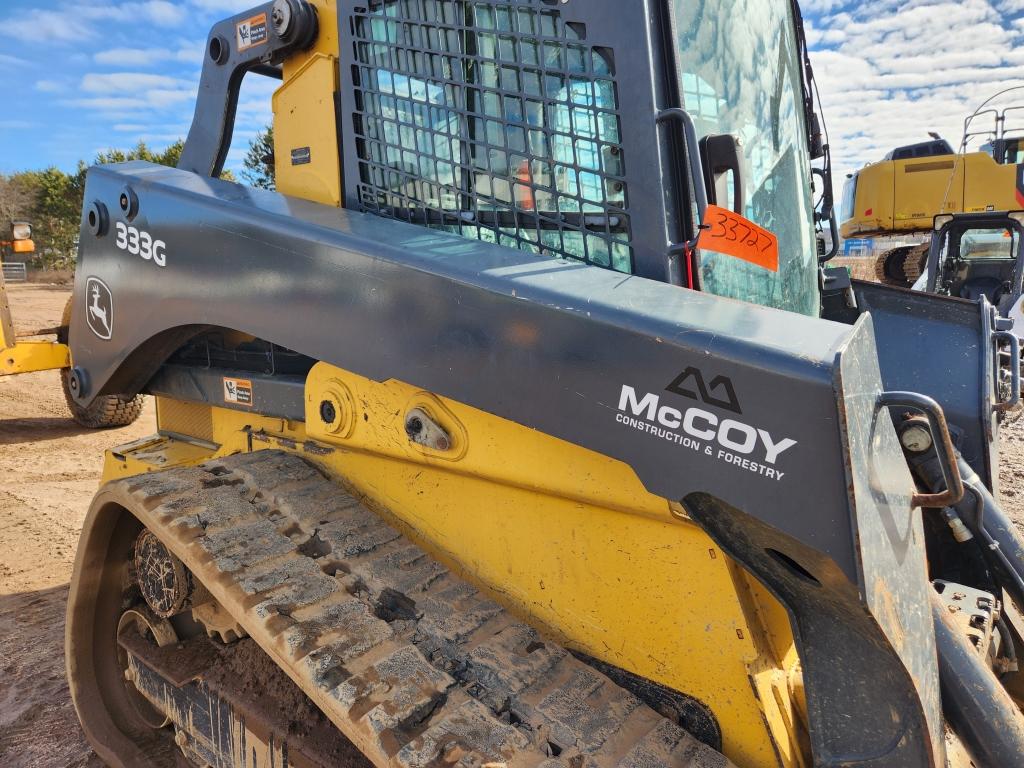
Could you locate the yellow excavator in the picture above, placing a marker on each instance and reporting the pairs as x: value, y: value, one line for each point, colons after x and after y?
x: 523, y: 425
x: 902, y: 194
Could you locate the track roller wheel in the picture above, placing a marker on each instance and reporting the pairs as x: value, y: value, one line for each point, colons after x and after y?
x: 105, y: 411
x: 138, y: 622
x: 889, y: 267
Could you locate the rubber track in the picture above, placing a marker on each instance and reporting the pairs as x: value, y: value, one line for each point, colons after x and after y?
x: 415, y: 666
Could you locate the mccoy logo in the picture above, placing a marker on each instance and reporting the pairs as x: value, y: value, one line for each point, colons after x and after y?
x: 703, y: 393
x: 697, y: 429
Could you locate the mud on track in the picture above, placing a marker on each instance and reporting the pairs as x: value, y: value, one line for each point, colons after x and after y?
x: 49, y: 471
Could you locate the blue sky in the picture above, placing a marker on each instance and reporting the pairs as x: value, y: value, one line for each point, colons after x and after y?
x: 87, y: 76
x: 82, y: 77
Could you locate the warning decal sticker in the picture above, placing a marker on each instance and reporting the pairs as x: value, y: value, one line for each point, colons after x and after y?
x: 251, y: 32
x: 238, y: 391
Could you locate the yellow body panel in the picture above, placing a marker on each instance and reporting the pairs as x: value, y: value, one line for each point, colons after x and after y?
x: 151, y: 454
x: 305, y: 133
x: 307, y: 163
x: 26, y: 356
x: 875, y: 187
x: 924, y: 188
x: 904, y: 196
x: 30, y: 356
x: 567, y: 538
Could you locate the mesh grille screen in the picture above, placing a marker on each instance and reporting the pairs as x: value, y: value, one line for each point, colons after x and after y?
x: 494, y: 120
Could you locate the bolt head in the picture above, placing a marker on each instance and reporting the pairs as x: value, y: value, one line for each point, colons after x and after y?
x: 328, y: 413
x: 281, y: 17
x: 78, y: 382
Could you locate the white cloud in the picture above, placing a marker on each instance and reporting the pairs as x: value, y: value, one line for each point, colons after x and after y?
x: 53, y: 26
x: 109, y: 103
x: 891, y: 71
x: 75, y: 22
x: 163, y: 13
x: 131, y: 97
x: 187, y: 53
x: 129, y: 82
x: 224, y: 7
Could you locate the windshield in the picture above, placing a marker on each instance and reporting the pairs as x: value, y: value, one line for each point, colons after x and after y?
x: 988, y: 244
x: 846, y: 210
x: 740, y: 75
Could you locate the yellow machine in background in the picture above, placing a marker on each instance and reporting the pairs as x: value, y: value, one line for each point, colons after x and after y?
x: 24, y: 356
x: 903, y: 193
x: 32, y: 355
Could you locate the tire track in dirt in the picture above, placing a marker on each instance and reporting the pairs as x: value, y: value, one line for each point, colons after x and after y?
x: 50, y: 469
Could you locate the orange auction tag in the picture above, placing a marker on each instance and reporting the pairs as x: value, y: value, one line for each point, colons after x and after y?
x: 729, y: 233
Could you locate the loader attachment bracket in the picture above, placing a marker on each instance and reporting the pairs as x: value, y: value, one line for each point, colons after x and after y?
x: 253, y: 41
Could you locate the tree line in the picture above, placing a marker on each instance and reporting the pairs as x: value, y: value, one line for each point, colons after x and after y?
x: 51, y: 199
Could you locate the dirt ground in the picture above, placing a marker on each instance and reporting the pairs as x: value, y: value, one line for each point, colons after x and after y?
x: 49, y: 470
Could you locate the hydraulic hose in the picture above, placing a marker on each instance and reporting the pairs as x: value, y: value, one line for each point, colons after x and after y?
x: 973, y: 700
x: 1001, y: 543
x: 977, y: 706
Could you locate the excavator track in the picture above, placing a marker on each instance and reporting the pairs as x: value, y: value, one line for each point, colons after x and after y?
x: 889, y: 267
x: 901, y: 266
x: 914, y: 263
x: 414, y: 665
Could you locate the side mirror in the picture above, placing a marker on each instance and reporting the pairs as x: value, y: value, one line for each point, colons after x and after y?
x: 816, y: 145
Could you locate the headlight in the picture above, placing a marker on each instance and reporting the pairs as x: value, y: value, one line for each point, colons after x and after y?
x: 21, y: 230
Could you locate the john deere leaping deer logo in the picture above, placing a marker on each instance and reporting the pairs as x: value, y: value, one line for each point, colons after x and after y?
x: 99, y: 308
